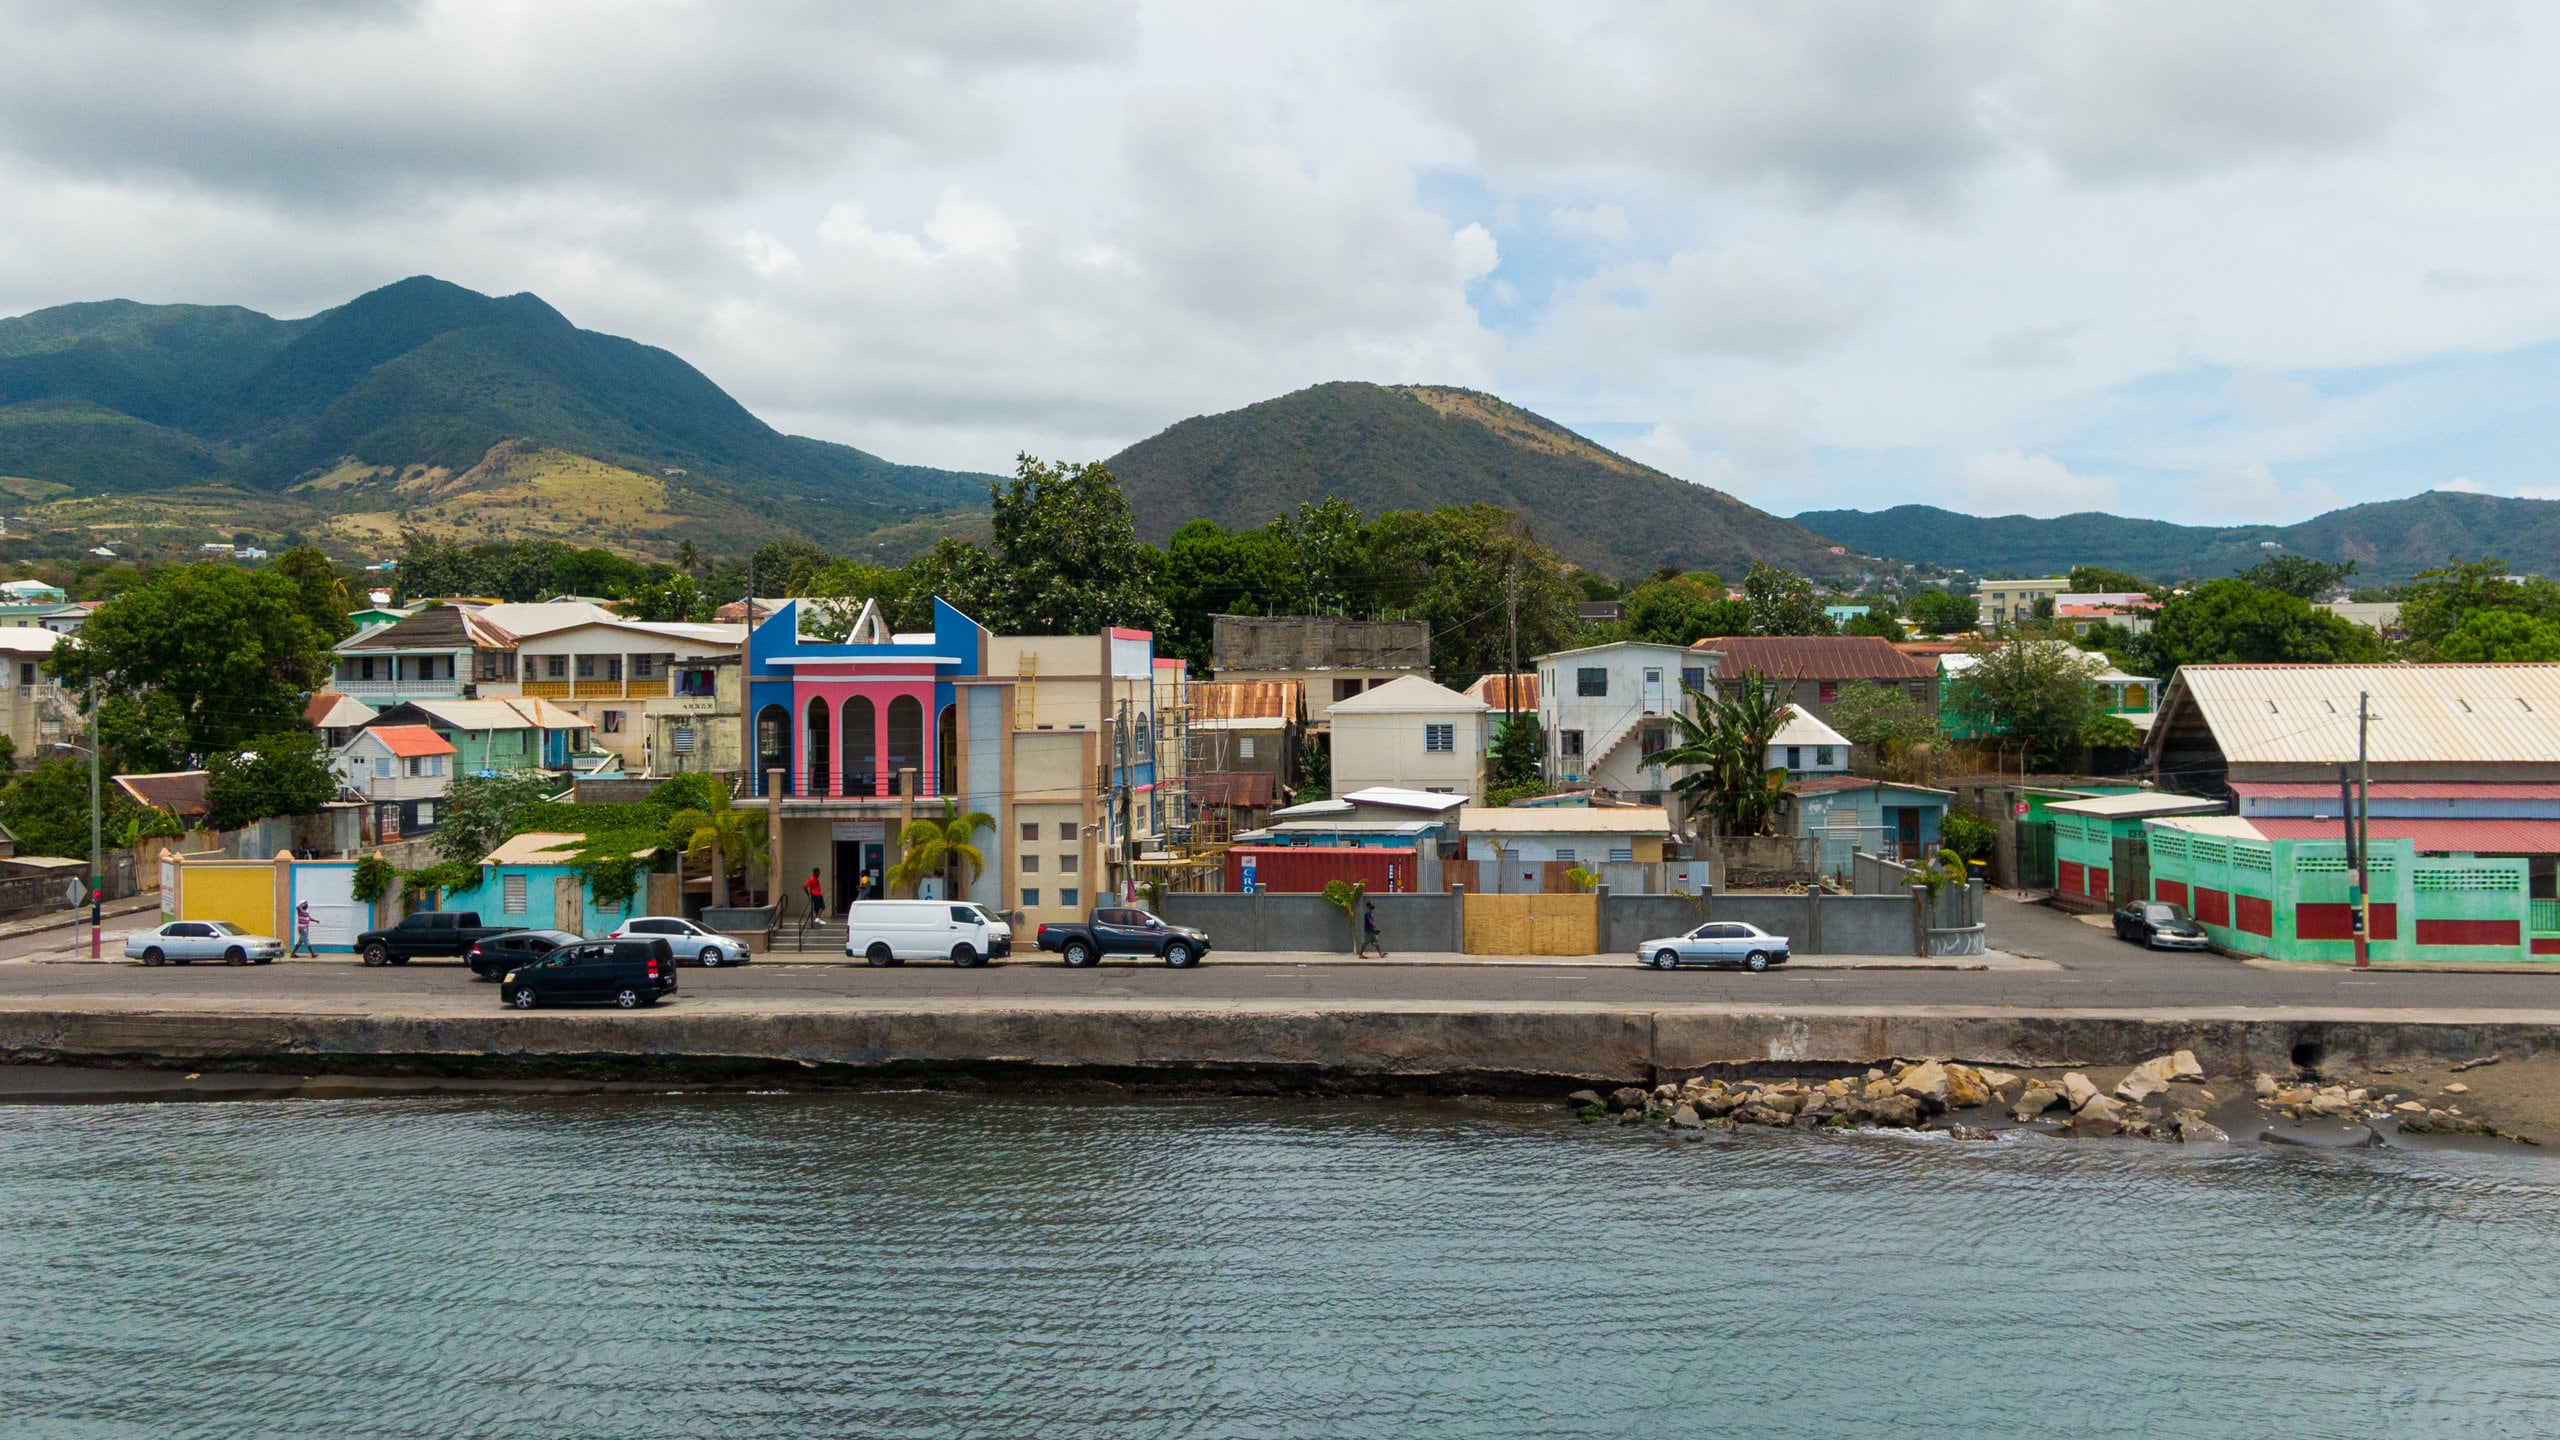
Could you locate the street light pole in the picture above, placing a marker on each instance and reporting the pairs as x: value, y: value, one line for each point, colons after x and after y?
x: 97, y: 847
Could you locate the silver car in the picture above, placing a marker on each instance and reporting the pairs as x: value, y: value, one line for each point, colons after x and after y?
x: 1718, y: 942
x: 688, y: 940
x: 183, y: 941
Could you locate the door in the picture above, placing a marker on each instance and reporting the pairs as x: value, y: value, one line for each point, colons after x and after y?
x: 187, y: 940
x: 1652, y: 690
x: 1905, y: 821
x: 568, y: 904
x: 846, y: 886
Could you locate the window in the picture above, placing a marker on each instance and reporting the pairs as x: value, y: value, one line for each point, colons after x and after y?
x: 1244, y: 747
x: 555, y: 667
x: 381, y: 767
x: 1066, y: 830
x: 511, y: 899
x: 1693, y: 677
x: 1795, y: 757
x: 1822, y: 755
x: 426, y: 812
x: 1591, y: 680
x: 699, y: 681
x: 1564, y: 854
x: 1440, y: 739
x: 644, y: 667
x: 1653, y: 741
x: 1918, y: 689
x: 1146, y: 737
x: 1345, y: 689
x: 417, y: 766
x: 965, y: 914
x: 613, y: 722
x: 1031, y: 830
x: 1030, y: 864
x: 1569, y: 742
x: 1030, y: 899
x: 1068, y: 898
x: 586, y: 667
x: 1828, y: 691
x: 1623, y: 853
x: 1066, y: 864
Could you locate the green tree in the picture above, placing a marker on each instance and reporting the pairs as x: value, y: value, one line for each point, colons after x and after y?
x: 479, y: 811
x: 322, y: 589
x: 2035, y: 694
x: 677, y: 598
x: 1070, y: 561
x: 47, y: 808
x: 235, y: 649
x: 143, y: 734
x: 1883, y: 627
x: 2099, y: 580
x: 2232, y: 621
x: 1470, y: 570
x: 783, y: 567
x: 725, y: 833
x: 286, y: 773
x: 1781, y: 603
x: 1970, y: 836
x: 944, y: 847
x: 2435, y: 604
x: 1882, y: 721
x: 1937, y: 612
x: 1682, y: 610
x: 2299, y: 576
x: 1724, y: 746
x: 2501, y: 635
x: 1211, y: 570
x: 1336, y: 555
x: 1514, y: 762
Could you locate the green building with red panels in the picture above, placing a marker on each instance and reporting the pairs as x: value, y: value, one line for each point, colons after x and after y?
x: 2289, y: 899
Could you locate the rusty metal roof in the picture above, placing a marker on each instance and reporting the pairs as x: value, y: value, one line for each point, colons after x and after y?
x: 1248, y: 700
x: 181, y: 792
x: 1507, y: 692
x: 1816, y: 657
x: 2422, y: 714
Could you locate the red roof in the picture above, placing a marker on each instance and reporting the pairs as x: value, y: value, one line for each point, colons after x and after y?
x: 1498, y: 691
x: 406, y: 741
x: 2479, y: 837
x: 2395, y: 790
x: 1816, y: 657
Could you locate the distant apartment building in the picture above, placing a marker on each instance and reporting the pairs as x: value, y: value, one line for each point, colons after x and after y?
x: 1604, y: 712
x: 663, y: 696
x: 1334, y: 658
x: 2005, y: 602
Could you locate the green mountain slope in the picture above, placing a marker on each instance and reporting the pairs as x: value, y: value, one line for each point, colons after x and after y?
x: 2389, y: 540
x: 1418, y: 447
x: 416, y: 381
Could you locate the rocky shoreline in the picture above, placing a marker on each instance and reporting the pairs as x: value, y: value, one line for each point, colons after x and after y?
x: 2168, y: 1097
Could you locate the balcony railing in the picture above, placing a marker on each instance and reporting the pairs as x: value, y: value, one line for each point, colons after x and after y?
x: 848, y: 787
x: 2545, y: 916
x: 600, y: 689
x: 443, y: 689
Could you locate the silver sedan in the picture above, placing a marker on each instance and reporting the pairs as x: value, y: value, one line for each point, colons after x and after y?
x: 182, y: 941
x: 1718, y: 942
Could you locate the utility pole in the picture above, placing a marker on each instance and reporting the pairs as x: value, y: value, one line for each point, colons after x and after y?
x: 2364, y: 836
x: 1511, y: 674
x: 97, y: 847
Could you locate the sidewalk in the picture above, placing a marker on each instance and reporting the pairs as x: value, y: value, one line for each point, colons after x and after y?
x: 79, y: 915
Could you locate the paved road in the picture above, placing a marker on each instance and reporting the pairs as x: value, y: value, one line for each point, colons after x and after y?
x: 2094, y: 971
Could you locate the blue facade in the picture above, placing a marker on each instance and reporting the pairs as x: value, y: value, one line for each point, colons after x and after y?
x: 539, y: 907
x: 1881, y: 818
x: 794, y: 685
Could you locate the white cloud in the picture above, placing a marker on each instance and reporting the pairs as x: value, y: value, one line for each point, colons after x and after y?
x: 2268, y: 398
x: 1600, y: 222
x: 2251, y: 494
x: 2011, y: 482
x: 1749, y: 300
x: 2031, y: 347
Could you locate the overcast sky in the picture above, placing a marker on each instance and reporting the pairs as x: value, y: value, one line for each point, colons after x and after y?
x: 2209, y: 262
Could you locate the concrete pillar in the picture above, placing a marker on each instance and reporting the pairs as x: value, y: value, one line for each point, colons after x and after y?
x: 1920, y: 920
x: 1458, y: 920
x: 1600, y: 921
x: 1813, y: 920
x: 772, y: 841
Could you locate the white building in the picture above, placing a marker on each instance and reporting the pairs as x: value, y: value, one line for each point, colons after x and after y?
x: 1409, y: 733
x: 1606, y: 711
x: 662, y: 695
x: 402, y: 771
x: 1806, y: 746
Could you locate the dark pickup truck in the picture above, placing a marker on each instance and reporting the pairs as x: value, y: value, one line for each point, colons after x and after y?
x: 1120, y: 930
x: 429, y: 932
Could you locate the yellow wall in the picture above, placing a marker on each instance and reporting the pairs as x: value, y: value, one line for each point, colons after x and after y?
x: 244, y: 894
x: 1533, y: 924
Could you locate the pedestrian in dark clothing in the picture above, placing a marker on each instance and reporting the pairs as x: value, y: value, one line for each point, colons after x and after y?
x: 1369, y: 932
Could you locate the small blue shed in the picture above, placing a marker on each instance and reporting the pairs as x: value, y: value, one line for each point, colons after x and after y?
x: 1851, y: 813
x: 528, y: 883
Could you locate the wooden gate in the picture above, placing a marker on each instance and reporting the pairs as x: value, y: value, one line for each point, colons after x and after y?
x: 1533, y: 924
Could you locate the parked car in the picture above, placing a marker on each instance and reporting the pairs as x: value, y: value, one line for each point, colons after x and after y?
x: 182, y: 941
x: 1122, y: 930
x: 892, y: 932
x: 1718, y: 942
x: 627, y: 973
x: 499, y: 954
x: 428, y: 932
x: 688, y: 940
x: 2160, y: 925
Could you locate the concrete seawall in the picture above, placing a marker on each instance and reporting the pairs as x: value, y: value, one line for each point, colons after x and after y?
x: 1250, y: 1046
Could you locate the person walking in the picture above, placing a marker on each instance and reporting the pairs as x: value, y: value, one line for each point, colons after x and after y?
x: 302, y: 933
x: 817, y: 892
x: 1369, y: 932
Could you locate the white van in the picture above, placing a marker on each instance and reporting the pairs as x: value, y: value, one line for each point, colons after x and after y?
x: 891, y: 932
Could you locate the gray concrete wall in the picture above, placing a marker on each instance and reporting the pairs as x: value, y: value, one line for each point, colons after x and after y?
x: 1828, y: 924
x: 1627, y: 921
x: 1266, y: 921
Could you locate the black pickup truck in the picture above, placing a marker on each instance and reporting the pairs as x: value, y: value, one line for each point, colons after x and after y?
x: 1120, y: 930
x: 428, y: 932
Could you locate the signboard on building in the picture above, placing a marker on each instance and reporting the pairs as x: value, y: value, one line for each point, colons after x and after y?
x: 874, y: 831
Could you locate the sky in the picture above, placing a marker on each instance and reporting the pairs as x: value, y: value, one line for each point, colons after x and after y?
x: 2205, y: 262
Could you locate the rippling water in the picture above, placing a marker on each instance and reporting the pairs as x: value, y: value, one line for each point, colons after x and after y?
x: 932, y: 1265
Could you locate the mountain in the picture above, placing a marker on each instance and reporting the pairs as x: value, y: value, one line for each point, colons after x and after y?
x: 399, y: 406
x: 2389, y: 540
x: 1417, y: 447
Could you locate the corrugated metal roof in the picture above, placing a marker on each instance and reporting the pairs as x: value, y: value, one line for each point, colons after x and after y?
x: 2396, y: 790
x: 2443, y: 714
x: 2231, y: 827
x: 438, y: 627
x: 329, y: 710
x: 1248, y: 699
x: 410, y: 740
x: 1835, y: 784
x: 1252, y: 789
x: 181, y: 792
x: 1800, y: 728
x: 2125, y: 807
x: 2478, y: 837
x: 1816, y: 657
x: 1497, y: 691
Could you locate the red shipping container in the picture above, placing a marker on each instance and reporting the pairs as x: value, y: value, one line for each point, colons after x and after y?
x: 1304, y: 869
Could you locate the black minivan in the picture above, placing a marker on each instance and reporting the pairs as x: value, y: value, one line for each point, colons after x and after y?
x: 627, y: 973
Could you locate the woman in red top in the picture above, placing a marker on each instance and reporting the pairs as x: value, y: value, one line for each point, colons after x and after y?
x: 817, y: 896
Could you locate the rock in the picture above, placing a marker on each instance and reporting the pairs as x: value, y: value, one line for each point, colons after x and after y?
x: 2209, y: 1097
x: 2325, y: 1104
x: 1666, y: 1093
x: 2457, y: 1088
x: 2204, y: 1131
x: 2146, y: 1079
x: 1877, y: 1089
x: 2266, y: 1085
x: 2355, y: 1096
x: 1756, y: 1113
x: 1837, y: 1090
x: 2411, y: 1107
x: 1965, y: 1088
x: 2077, y: 1089
x: 2099, y: 1116
x: 1585, y: 1100
x: 1631, y: 1117
x: 2034, y: 1102
x: 2183, y: 1066
x: 2001, y: 1083
x: 1719, y: 1102
x: 1962, y: 1131
x: 1894, y: 1110
x: 1873, y: 1076
x: 2292, y: 1095
x: 1684, y: 1117
x: 2475, y: 1063
x: 1625, y: 1096
x: 1925, y: 1082
x: 1785, y: 1102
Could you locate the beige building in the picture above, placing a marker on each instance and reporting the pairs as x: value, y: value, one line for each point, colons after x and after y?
x: 38, y: 712
x: 1334, y: 658
x: 1410, y: 734
x: 664, y: 697
x: 2006, y: 601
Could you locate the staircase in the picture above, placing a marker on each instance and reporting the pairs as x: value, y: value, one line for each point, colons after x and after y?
x: 826, y: 937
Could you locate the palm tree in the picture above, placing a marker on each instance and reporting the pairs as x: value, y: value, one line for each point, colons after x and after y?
x: 938, y: 847
x: 688, y: 558
x: 722, y: 829
x: 1724, y: 745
